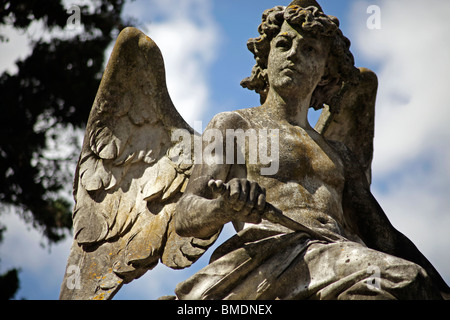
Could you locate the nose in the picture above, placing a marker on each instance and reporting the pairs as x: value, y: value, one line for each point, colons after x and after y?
x: 292, y: 54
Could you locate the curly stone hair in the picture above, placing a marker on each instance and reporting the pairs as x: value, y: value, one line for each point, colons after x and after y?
x: 341, y: 69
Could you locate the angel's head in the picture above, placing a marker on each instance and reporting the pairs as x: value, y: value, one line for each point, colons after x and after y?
x: 313, y: 25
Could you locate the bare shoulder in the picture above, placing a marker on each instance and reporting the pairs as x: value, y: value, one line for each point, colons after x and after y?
x: 238, y: 119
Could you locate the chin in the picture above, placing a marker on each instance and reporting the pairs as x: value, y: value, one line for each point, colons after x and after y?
x: 288, y: 84
x: 284, y: 83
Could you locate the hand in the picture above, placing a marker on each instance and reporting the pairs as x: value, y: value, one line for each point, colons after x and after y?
x: 243, y: 199
x: 247, y: 203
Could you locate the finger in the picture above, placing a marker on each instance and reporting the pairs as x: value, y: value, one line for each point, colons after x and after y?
x: 261, y: 202
x: 245, y: 189
x: 241, y: 201
x: 234, y: 190
x: 255, y: 190
x: 212, y: 185
x: 217, y: 186
x: 252, y: 197
x: 221, y: 187
x: 243, y: 204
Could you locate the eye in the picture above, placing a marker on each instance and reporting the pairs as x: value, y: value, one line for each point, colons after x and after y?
x: 309, y: 49
x: 283, y: 44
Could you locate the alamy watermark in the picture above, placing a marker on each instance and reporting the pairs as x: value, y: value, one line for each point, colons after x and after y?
x: 374, y: 20
x: 74, y: 19
x: 73, y: 279
x: 374, y: 281
x: 237, y: 147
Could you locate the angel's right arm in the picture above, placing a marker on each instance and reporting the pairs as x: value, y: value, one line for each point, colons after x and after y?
x: 199, y: 213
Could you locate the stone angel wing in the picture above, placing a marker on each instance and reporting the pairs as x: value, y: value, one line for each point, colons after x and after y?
x: 129, y: 177
x: 354, y: 124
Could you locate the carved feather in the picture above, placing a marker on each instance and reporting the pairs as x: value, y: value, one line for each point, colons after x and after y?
x: 127, y: 183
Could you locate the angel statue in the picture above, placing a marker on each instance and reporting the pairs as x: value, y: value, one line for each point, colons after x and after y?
x: 309, y: 229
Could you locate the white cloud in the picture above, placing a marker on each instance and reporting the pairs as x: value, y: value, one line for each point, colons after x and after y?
x: 14, y: 49
x: 19, y: 41
x: 41, y: 268
x: 417, y: 204
x: 412, y: 108
x: 411, y: 162
x: 187, y: 37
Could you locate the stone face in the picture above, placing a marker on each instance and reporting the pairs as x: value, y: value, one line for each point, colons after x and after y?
x: 308, y: 229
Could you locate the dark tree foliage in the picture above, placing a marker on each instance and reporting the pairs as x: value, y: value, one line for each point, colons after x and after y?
x: 9, y: 284
x: 53, y: 89
x: 54, y: 86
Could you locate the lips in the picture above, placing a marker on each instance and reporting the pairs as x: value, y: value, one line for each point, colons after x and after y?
x: 288, y: 70
x: 289, y: 67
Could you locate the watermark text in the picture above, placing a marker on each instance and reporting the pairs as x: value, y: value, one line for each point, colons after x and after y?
x: 74, y: 19
x: 374, y: 20
x: 237, y: 147
x: 73, y: 278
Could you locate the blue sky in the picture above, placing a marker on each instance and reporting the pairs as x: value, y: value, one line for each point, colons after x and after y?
x: 204, y: 46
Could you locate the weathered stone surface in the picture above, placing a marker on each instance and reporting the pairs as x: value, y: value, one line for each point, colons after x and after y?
x: 126, y: 184
x: 323, y: 182
x: 308, y: 229
x: 354, y: 124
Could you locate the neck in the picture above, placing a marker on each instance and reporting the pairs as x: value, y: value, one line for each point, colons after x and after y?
x: 292, y: 109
